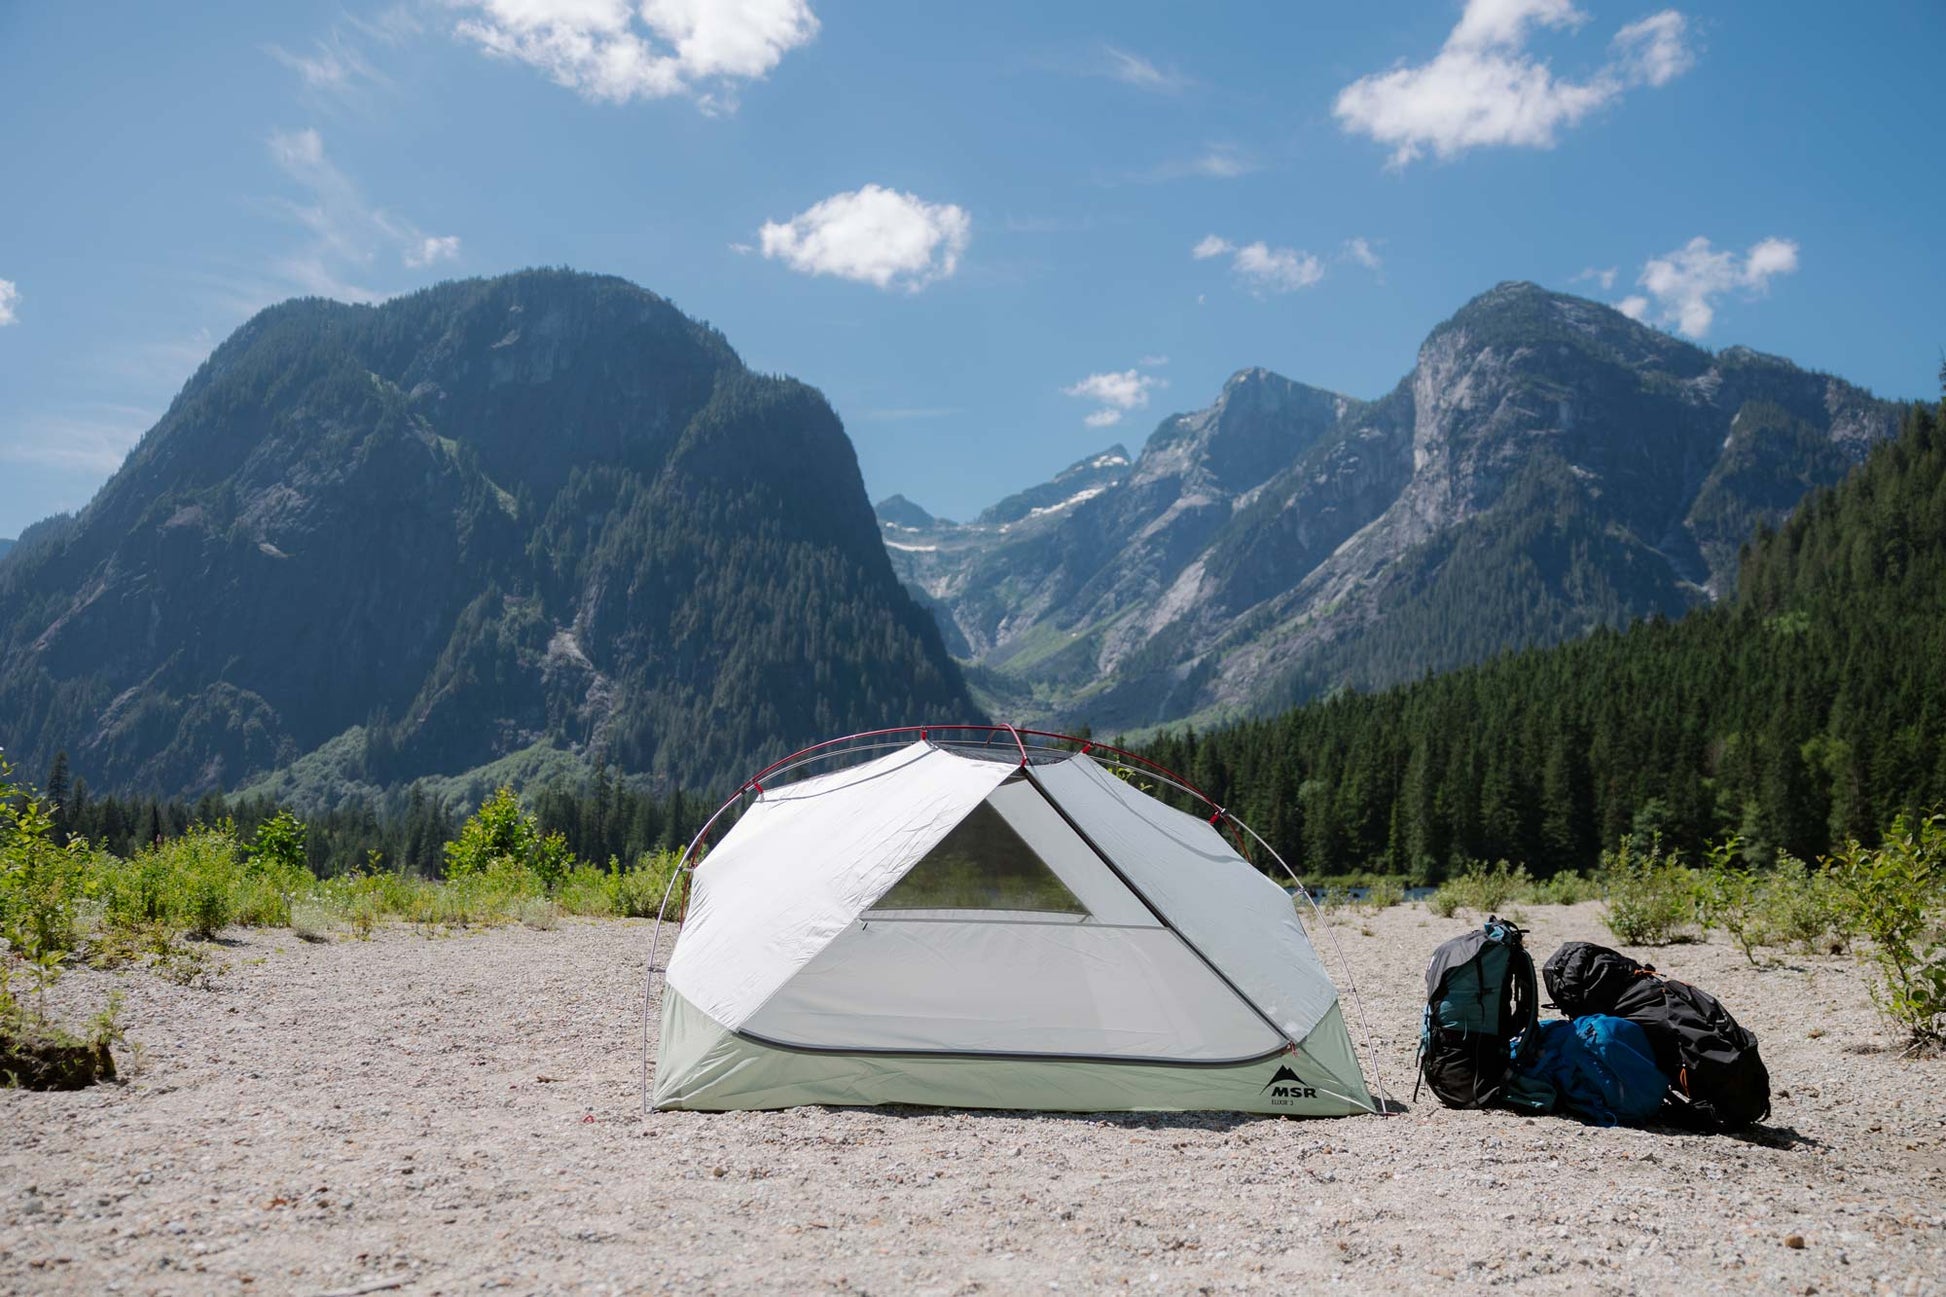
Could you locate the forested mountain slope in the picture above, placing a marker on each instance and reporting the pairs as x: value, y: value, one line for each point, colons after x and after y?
x: 1808, y: 708
x: 1549, y: 466
x: 540, y: 513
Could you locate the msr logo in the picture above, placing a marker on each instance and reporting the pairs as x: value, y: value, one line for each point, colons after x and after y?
x: 1286, y: 1086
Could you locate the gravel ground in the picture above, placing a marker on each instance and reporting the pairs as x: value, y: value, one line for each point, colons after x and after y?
x: 459, y: 1113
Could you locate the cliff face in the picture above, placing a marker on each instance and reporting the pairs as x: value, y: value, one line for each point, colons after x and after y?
x: 546, y: 510
x: 1549, y: 466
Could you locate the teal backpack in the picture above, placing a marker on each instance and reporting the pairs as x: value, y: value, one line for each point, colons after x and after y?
x: 1482, y: 1004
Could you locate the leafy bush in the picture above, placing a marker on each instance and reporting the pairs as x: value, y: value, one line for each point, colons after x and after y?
x: 42, y: 887
x: 1732, y: 897
x: 1384, y: 894
x: 41, y: 884
x: 1806, y: 906
x: 1565, y: 888
x: 1651, y: 894
x: 1483, y: 890
x: 501, y: 833
x: 1897, y: 899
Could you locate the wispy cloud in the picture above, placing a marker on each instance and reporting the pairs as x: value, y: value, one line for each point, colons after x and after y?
x: 1360, y: 250
x: 9, y: 302
x: 873, y: 235
x: 1684, y: 286
x: 1116, y: 393
x: 1604, y: 277
x: 349, y: 236
x: 94, y: 437
x: 613, y: 52
x: 1134, y: 70
x: 1261, y: 268
x: 1215, y: 162
x: 1486, y: 88
x: 333, y: 66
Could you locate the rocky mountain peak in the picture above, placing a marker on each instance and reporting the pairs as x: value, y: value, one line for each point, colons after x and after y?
x: 1548, y: 466
x: 897, y: 511
x: 497, y: 517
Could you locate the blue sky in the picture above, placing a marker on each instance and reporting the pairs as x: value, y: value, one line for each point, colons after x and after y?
x: 976, y: 228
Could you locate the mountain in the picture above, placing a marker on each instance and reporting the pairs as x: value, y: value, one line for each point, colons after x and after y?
x: 5, y: 545
x: 1806, y: 708
x: 515, y: 521
x: 1549, y: 466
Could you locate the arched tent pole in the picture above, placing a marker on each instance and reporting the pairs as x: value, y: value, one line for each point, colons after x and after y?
x: 1358, y: 1003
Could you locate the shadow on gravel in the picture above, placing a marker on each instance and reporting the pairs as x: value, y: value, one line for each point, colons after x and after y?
x: 1782, y: 1137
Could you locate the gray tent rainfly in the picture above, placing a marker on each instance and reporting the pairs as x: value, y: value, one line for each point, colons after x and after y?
x: 962, y: 923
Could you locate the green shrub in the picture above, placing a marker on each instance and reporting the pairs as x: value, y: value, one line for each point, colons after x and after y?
x: 1483, y: 890
x: 1565, y: 888
x: 1731, y: 897
x: 1805, y: 906
x: 1651, y: 895
x: 500, y: 832
x: 1897, y: 895
x: 42, y: 885
x: 1384, y: 894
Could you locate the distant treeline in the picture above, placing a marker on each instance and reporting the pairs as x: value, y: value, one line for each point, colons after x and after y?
x: 604, y: 817
x: 1808, y: 709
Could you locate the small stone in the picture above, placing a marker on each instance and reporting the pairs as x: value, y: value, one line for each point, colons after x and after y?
x: 1794, y: 1241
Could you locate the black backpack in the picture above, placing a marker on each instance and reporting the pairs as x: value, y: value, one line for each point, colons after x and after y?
x: 1481, y: 1006
x: 1717, y: 1078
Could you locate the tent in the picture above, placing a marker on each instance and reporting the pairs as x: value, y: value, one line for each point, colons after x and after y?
x: 950, y: 925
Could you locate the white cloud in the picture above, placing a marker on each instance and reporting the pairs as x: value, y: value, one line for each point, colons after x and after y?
x: 1606, y: 278
x: 9, y: 300
x: 348, y: 234
x: 1485, y: 87
x: 1655, y: 51
x: 613, y: 51
x: 1262, y: 268
x: 1153, y: 362
x: 874, y: 235
x: 432, y: 248
x: 1134, y: 70
x: 1116, y: 394
x: 1360, y: 250
x: 1683, y: 286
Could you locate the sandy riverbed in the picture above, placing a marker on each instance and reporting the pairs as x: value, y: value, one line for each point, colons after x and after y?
x: 460, y: 1113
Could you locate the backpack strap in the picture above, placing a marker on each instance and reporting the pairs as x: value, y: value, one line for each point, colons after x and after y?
x: 1527, y: 1007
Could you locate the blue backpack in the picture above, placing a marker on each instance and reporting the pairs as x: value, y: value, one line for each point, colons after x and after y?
x: 1598, y: 1068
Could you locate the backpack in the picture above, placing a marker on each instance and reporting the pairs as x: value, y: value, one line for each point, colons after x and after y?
x: 1716, y: 1075
x: 1481, y: 1007
x: 1600, y: 1069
